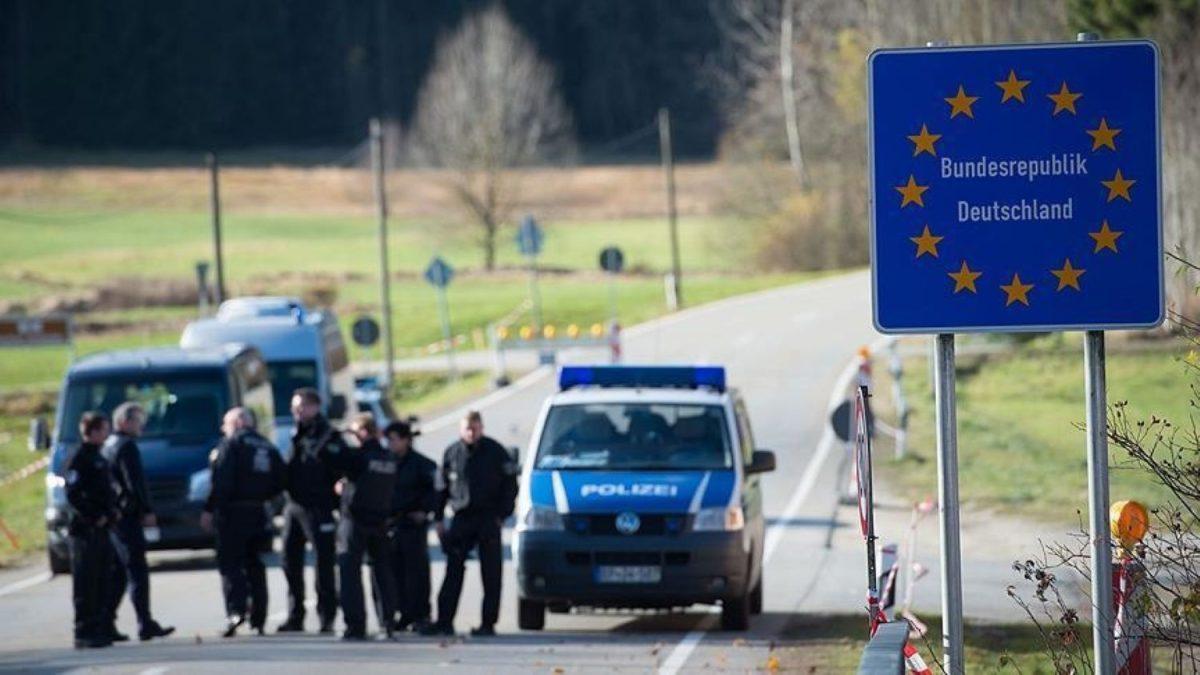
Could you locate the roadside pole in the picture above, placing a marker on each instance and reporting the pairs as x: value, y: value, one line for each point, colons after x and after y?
x: 444, y: 311
x: 668, y: 163
x: 385, y: 287
x: 529, y: 243
x: 1099, y: 534
x: 439, y: 273
x: 1096, y: 390
x: 948, y: 522
x: 214, y: 194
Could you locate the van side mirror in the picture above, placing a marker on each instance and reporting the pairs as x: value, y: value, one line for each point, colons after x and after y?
x: 337, y: 407
x: 39, y: 435
x: 762, y: 461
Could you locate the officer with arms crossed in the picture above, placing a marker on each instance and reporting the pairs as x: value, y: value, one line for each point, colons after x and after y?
x: 94, y: 508
x: 247, y: 472
x: 478, y: 479
x: 366, y: 509
x: 308, y: 517
x: 415, y: 498
x: 137, y: 512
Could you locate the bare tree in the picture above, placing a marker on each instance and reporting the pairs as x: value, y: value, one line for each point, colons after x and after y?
x: 488, y: 105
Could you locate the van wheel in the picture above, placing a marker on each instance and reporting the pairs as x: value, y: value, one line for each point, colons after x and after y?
x: 531, y: 614
x: 756, y: 597
x: 59, y: 564
x: 735, y: 613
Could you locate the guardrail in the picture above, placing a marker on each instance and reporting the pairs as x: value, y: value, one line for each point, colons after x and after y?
x: 884, y: 654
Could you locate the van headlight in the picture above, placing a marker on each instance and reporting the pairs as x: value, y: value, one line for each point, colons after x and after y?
x: 541, y: 519
x: 719, y: 519
x: 199, y: 485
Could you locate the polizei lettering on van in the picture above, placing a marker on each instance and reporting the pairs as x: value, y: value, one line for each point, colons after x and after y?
x: 632, y: 490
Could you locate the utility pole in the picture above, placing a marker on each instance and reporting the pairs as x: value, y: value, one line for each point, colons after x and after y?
x: 385, y: 288
x: 214, y: 171
x: 668, y: 162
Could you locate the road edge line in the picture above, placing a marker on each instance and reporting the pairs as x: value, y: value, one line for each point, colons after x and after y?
x: 27, y: 582
x: 683, y: 649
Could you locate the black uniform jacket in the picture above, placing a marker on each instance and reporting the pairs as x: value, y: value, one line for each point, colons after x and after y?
x: 370, y: 483
x: 246, y: 471
x: 415, y: 487
x: 311, y: 470
x: 477, y: 479
x: 125, y: 460
x: 90, y: 489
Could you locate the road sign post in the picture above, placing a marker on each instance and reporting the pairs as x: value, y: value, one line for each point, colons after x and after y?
x: 438, y: 274
x: 529, y: 243
x: 1000, y: 175
x: 385, y: 287
x: 612, y: 261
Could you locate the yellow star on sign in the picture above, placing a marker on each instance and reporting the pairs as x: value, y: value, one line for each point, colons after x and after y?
x: 1068, y: 276
x: 961, y: 103
x: 1103, y: 136
x: 924, y: 141
x: 1017, y: 291
x: 1105, y: 238
x: 964, y: 278
x: 1012, y: 87
x: 926, y: 243
x: 911, y: 192
x: 1118, y: 187
x: 1064, y: 100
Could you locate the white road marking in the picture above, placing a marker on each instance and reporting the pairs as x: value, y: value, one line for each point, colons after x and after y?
x: 28, y: 582
x: 156, y: 670
x: 679, y: 655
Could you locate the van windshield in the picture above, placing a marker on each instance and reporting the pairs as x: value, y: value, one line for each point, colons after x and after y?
x: 630, y: 437
x: 287, y: 377
x: 186, y: 406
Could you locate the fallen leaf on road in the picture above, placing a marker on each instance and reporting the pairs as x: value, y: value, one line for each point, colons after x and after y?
x: 772, y: 664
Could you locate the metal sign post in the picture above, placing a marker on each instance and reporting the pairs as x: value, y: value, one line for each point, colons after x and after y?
x: 529, y: 243
x: 385, y: 287
x: 612, y: 261
x: 1000, y: 176
x: 948, y: 524
x: 1098, y: 530
x: 438, y: 274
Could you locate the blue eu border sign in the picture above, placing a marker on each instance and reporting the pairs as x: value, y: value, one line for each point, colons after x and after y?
x: 1016, y: 188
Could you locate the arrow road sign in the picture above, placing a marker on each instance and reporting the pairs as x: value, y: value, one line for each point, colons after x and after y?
x: 439, y: 272
x: 529, y: 237
x: 1016, y: 188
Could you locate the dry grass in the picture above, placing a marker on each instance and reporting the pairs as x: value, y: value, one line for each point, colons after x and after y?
x: 567, y: 192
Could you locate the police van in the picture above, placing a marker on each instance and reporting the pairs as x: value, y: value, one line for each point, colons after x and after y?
x: 643, y: 491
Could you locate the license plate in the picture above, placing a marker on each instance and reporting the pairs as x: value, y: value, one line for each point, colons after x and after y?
x: 628, y: 574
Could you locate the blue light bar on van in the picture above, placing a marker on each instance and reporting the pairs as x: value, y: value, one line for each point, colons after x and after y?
x: 690, y: 377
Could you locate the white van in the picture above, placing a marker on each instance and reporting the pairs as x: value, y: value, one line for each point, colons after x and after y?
x: 302, y: 348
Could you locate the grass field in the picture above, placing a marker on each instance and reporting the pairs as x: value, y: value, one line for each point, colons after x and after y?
x: 1021, y: 447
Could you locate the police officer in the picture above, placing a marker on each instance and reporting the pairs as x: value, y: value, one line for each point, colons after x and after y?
x: 129, y: 539
x: 415, y: 499
x: 478, y: 480
x: 366, y: 511
x: 94, y: 508
x: 308, y: 516
x: 247, y: 472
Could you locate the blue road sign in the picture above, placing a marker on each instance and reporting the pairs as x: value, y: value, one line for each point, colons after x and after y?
x: 439, y: 272
x: 529, y: 237
x: 1016, y: 188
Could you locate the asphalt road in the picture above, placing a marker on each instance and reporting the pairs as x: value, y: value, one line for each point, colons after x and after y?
x: 787, y: 349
